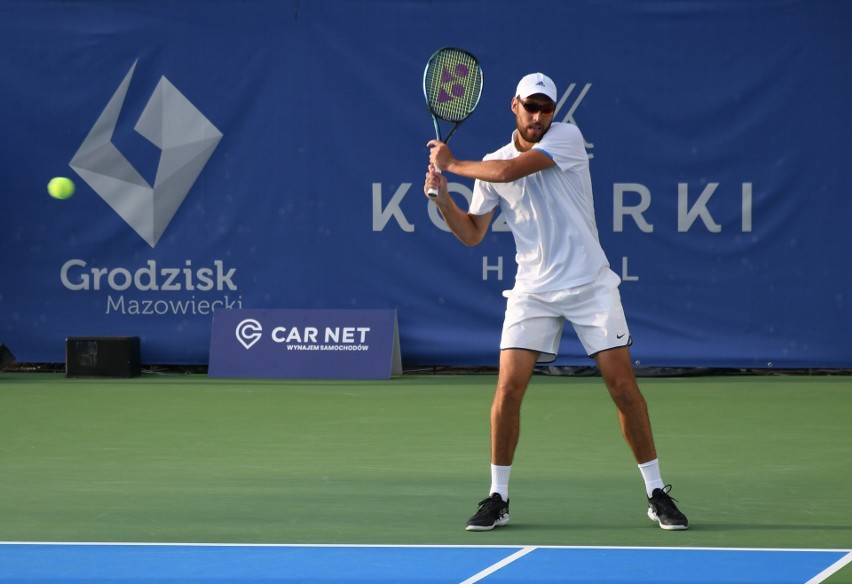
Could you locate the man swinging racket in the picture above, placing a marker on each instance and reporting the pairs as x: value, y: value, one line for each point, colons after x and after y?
x: 541, y: 182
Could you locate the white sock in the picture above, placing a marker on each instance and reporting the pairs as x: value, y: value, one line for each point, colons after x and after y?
x: 651, y: 474
x: 500, y: 480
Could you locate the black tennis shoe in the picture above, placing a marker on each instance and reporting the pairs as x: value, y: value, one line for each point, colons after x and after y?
x: 493, y: 512
x: 662, y: 509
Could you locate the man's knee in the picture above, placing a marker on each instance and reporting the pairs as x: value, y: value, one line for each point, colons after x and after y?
x: 510, y: 392
x: 626, y: 394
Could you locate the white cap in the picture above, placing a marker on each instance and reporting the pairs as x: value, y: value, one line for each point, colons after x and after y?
x: 536, y: 83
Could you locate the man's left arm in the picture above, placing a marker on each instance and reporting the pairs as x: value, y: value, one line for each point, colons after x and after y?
x: 496, y: 171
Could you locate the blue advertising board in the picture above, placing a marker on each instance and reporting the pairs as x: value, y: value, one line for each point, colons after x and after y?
x: 271, y: 155
x: 305, y: 344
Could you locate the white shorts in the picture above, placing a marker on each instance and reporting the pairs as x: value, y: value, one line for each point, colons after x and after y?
x: 535, y: 321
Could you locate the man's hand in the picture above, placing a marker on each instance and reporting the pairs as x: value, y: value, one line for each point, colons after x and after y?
x: 440, y: 155
x: 435, y: 180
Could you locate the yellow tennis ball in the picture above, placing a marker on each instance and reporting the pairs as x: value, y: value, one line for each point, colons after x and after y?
x: 60, y: 187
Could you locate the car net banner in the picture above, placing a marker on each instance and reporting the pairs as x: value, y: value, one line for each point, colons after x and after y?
x: 271, y: 155
x: 305, y: 344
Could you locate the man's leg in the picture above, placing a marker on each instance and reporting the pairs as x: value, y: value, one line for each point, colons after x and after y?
x: 617, y: 371
x: 516, y: 369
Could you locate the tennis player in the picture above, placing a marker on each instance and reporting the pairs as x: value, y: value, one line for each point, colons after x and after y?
x: 541, y: 182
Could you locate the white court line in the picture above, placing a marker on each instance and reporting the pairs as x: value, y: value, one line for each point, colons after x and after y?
x: 832, y: 569
x: 435, y: 546
x: 501, y: 564
x: 821, y: 577
x: 843, y: 561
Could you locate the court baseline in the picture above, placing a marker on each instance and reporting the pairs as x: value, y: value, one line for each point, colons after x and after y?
x: 60, y: 563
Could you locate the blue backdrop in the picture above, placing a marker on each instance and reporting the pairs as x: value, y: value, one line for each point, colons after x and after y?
x: 271, y: 154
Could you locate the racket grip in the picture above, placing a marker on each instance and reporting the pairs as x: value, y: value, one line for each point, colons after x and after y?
x: 433, y: 192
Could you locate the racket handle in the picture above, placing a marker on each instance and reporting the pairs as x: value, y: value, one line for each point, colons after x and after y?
x: 434, y: 192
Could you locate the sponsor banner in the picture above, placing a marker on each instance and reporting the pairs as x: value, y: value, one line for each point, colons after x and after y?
x: 305, y: 344
x: 251, y: 155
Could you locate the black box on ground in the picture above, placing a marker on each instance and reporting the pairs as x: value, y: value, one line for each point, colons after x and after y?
x: 102, y: 357
x: 6, y: 357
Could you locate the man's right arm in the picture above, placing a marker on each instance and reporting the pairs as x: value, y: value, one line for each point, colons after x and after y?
x: 469, y: 229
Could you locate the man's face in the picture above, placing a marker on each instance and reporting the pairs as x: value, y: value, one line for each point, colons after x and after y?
x: 534, y: 116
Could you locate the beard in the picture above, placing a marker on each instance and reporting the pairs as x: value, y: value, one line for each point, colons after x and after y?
x: 533, y: 132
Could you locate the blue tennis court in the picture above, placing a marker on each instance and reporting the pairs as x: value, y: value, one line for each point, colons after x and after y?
x: 190, y: 563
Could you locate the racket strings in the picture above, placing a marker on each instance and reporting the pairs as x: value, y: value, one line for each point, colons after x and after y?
x: 453, y: 84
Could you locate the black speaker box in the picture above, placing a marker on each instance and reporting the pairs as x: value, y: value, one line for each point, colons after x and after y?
x: 6, y: 357
x: 102, y: 357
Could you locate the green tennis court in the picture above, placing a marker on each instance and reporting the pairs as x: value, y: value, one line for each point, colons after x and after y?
x: 756, y: 461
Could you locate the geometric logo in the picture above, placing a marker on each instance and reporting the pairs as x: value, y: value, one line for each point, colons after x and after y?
x: 569, y: 117
x: 185, y: 138
x: 248, y: 332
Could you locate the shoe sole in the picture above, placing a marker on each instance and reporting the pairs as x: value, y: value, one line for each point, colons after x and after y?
x: 653, y: 517
x: 502, y: 521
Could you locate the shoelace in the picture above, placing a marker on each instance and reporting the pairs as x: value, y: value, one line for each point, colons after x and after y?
x: 490, y: 502
x: 663, y: 497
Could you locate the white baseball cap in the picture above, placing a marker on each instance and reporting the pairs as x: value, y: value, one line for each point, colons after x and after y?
x: 536, y: 83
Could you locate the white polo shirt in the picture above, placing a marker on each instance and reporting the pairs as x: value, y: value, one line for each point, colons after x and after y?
x: 551, y: 214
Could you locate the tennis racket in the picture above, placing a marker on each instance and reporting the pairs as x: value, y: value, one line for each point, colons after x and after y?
x: 452, y: 85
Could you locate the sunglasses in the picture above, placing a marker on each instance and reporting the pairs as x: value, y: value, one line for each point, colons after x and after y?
x: 534, y: 108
